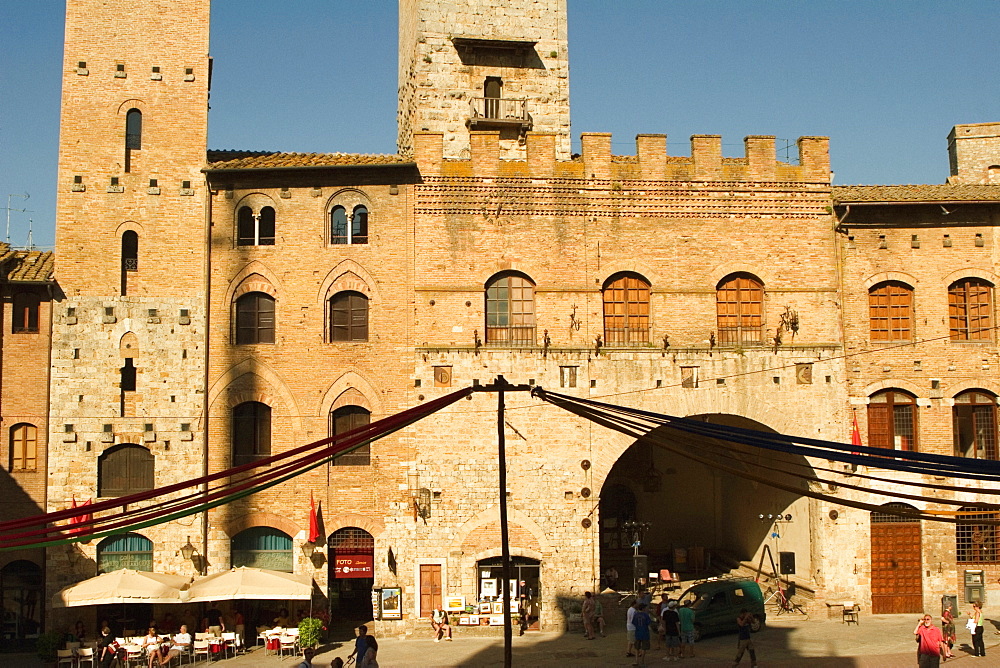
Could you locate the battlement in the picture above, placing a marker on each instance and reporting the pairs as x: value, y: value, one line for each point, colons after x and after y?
x: 651, y: 161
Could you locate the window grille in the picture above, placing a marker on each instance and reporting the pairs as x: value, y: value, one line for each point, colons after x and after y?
x: 892, y: 421
x: 976, y: 543
x: 974, y: 425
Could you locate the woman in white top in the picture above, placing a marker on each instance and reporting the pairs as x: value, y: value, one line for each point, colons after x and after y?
x: 151, y: 643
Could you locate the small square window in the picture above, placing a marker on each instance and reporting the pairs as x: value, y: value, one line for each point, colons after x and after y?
x: 114, y: 180
x: 156, y: 69
x: 107, y: 429
x: 148, y: 426
x: 109, y: 310
x: 82, y: 64
x: 188, y: 70
x: 186, y: 185
x: 77, y: 179
x: 120, y: 67
x: 185, y: 426
x: 152, y: 183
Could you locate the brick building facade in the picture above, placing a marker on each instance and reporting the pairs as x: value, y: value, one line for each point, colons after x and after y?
x: 221, y: 306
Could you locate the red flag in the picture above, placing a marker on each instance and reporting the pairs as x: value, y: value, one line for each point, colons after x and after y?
x: 313, y: 524
x: 856, y: 434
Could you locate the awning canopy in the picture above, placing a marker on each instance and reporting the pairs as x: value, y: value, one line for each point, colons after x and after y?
x: 250, y: 583
x: 123, y: 586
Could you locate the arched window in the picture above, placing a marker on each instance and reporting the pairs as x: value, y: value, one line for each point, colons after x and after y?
x: 255, y: 229
x: 974, y: 425
x: 262, y: 547
x: 890, y: 311
x: 343, y: 420
x: 251, y: 432
x: 133, y: 129
x: 24, y: 317
x: 255, y: 318
x: 348, y: 317
x: 892, y: 420
x: 265, y: 228
x: 125, y: 469
x: 739, y: 303
x: 130, y: 257
x: 338, y: 225
x: 246, y: 227
x: 131, y: 550
x: 359, y: 225
x: 510, y: 310
x: 976, y: 543
x: 23, y: 447
x: 626, y: 310
x: 970, y: 310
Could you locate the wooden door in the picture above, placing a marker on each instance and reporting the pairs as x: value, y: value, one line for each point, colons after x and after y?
x: 896, y: 567
x: 430, y: 588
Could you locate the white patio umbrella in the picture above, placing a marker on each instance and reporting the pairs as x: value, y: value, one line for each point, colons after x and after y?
x: 250, y: 583
x: 123, y: 586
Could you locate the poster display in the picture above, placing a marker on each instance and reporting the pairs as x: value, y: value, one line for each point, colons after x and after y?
x: 391, y: 603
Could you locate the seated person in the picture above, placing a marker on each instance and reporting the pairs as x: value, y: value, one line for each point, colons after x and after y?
x: 439, y: 622
x: 151, y: 643
x: 180, y: 645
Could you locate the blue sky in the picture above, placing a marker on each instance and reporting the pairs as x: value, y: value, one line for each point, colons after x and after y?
x: 885, y: 80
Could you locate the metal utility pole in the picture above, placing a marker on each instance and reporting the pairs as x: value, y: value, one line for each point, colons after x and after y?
x: 501, y: 386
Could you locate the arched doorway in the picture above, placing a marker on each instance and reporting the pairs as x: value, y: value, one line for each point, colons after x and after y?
x: 526, y: 583
x: 352, y: 573
x: 21, y: 585
x: 696, y: 519
x: 896, y: 563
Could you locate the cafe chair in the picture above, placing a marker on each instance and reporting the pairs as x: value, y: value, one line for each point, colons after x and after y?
x: 200, y: 648
x: 851, y: 610
x: 85, y: 655
x: 65, y: 657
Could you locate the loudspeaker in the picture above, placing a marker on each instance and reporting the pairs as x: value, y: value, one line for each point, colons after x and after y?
x: 640, y: 566
x: 786, y: 563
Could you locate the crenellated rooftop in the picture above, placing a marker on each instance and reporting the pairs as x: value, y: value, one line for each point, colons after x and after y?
x: 650, y: 162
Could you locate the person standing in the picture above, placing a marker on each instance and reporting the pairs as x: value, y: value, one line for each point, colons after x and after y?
x: 931, y: 645
x: 215, y: 624
x: 630, y: 627
x: 371, y: 653
x: 978, y: 647
x: 745, y: 642
x: 107, y: 648
x: 671, y: 625
x: 686, y: 616
x: 599, y: 615
x: 588, y: 615
x: 360, y: 645
x: 948, y: 629
x: 522, y: 614
x: 642, y: 621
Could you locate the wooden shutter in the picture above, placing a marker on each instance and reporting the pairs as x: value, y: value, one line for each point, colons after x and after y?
x: 24, y: 448
x: 879, y: 429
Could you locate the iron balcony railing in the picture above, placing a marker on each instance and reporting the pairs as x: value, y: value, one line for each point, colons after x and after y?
x: 499, y: 110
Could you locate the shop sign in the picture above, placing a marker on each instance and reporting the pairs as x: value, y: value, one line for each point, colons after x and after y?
x: 354, y: 566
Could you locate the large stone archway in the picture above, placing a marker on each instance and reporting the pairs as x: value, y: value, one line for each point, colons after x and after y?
x: 702, y: 520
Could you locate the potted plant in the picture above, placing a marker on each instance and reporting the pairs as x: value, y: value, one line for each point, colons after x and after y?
x: 311, y: 632
x: 46, y: 646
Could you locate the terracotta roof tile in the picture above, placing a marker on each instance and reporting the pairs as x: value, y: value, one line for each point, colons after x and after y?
x: 27, y: 266
x: 916, y: 193
x: 274, y: 160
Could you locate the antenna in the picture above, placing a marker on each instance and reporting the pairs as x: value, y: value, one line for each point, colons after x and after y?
x: 26, y: 197
x: 31, y: 241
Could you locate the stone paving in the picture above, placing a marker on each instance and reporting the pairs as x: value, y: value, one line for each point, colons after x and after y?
x: 881, y: 641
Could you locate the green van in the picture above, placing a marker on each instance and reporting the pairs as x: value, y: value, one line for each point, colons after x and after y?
x: 717, y: 604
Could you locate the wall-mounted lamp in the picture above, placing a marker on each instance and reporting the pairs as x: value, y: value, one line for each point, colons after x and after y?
x: 308, y: 549
x: 188, y: 550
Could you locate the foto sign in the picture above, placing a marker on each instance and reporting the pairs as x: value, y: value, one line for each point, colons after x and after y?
x: 354, y: 566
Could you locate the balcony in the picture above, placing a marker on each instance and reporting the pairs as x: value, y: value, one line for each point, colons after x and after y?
x: 498, y: 112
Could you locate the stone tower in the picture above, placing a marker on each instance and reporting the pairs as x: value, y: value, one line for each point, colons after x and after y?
x: 483, y: 65
x: 128, y: 366
x: 974, y: 153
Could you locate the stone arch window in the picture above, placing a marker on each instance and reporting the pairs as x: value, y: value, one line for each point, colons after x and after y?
x: 970, y: 310
x: 343, y: 420
x: 350, y: 229
x: 251, y: 432
x: 130, y: 550
x: 890, y: 311
x: 255, y: 228
x: 892, y: 420
x: 24, y: 316
x: 262, y: 547
x: 128, y: 347
x: 348, y: 316
x: 130, y: 257
x: 125, y: 469
x: 739, y: 303
x: 975, y: 542
x: 254, y: 318
x: 23, y: 447
x: 974, y: 425
x: 133, y: 135
x: 626, y: 309
x: 510, y: 309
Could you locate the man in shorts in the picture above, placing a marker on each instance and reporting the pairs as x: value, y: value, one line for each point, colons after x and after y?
x: 642, y: 621
x: 671, y: 625
x: 686, y: 616
x: 180, y: 645
x: 630, y: 628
